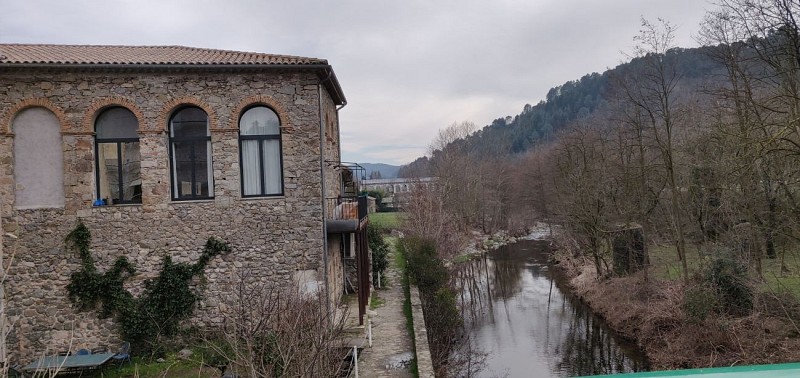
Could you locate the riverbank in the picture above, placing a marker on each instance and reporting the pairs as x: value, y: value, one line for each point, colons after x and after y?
x: 482, y: 243
x: 652, y: 314
x: 521, y: 315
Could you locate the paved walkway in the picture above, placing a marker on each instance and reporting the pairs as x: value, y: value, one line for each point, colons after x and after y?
x: 391, y: 349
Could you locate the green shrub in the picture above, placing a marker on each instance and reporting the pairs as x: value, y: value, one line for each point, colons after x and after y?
x: 380, y: 250
x: 425, y: 267
x: 699, y: 301
x: 442, y: 317
x: 729, y: 280
x: 378, y: 194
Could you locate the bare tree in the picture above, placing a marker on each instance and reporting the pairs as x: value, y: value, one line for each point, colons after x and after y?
x: 584, y: 190
x: 653, y: 91
x: 533, y: 188
x: 428, y: 217
x: 458, y: 175
x: 758, y: 109
x: 275, y: 331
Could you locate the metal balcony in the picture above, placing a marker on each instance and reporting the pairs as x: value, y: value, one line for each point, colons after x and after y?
x: 346, y: 214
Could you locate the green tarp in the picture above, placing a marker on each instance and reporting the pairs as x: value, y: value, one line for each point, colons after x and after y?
x: 791, y: 370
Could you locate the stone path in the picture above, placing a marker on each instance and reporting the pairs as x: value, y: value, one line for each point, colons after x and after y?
x: 391, y: 349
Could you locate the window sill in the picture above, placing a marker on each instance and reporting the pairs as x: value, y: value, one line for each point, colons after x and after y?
x: 117, y: 205
x: 247, y: 199
x: 179, y: 202
x: 39, y: 207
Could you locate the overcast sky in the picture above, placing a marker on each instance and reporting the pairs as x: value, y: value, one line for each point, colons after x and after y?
x: 407, y: 67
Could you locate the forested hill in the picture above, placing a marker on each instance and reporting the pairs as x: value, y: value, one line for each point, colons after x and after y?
x: 567, y: 103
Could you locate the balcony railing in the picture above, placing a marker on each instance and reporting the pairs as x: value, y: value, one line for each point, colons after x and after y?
x: 346, y: 208
x: 345, y: 214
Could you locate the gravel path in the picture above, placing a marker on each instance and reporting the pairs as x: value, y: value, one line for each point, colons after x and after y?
x: 391, y: 349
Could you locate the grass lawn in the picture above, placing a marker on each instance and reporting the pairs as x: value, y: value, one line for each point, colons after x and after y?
x: 170, y: 368
x: 376, y: 301
x: 387, y: 221
x: 783, y: 282
x: 665, y: 265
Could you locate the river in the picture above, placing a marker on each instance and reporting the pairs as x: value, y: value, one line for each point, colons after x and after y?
x: 518, y: 311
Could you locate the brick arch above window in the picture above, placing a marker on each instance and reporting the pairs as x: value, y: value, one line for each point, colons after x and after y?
x: 173, y: 105
x: 98, y: 106
x: 8, y: 117
x: 267, y: 101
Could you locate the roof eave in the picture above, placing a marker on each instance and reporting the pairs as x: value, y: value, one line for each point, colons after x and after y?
x: 332, y: 84
x: 324, y: 70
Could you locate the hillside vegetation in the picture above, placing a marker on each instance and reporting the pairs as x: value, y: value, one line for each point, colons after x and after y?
x: 699, y: 148
x: 569, y: 103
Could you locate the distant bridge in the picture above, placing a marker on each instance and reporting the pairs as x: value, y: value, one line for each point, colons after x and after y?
x: 397, y: 185
x: 397, y: 190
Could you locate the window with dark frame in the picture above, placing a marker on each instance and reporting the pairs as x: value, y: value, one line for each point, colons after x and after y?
x: 190, y: 155
x: 260, y: 152
x: 117, y: 157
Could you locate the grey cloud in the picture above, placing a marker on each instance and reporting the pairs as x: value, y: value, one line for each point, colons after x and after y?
x: 407, y: 67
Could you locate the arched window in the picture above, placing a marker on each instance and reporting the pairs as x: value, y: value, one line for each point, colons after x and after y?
x: 38, y: 160
x: 260, y: 150
x: 190, y: 152
x: 118, y: 159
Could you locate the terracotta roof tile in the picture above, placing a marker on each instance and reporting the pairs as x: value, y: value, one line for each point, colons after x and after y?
x: 89, y: 55
x: 144, y: 55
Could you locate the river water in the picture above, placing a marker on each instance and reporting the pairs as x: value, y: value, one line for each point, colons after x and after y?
x: 519, y: 312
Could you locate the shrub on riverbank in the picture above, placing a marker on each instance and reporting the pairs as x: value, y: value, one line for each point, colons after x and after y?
x: 400, y: 260
x: 426, y: 269
x: 679, y: 327
x: 442, y: 318
x: 727, y: 277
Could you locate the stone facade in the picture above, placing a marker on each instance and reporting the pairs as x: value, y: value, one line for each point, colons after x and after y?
x: 274, y: 238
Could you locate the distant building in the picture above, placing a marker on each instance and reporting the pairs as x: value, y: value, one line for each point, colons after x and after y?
x: 397, y: 190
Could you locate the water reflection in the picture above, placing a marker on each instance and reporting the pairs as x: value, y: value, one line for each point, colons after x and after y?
x: 516, y: 309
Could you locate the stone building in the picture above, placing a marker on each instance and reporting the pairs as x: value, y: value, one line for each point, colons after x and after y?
x: 155, y: 149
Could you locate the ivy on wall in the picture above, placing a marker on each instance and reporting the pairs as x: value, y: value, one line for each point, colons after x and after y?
x: 147, y: 320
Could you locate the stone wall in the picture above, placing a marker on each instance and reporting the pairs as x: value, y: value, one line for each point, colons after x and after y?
x: 271, y: 237
x: 335, y: 268
x: 421, y: 346
x: 333, y: 188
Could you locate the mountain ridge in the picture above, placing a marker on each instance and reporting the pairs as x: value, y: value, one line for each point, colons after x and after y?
x: 564, y: 105
x: 386, y: 170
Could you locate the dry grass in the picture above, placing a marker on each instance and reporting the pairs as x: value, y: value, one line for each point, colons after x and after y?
x: 651, y: 313
x: 776, y: 279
